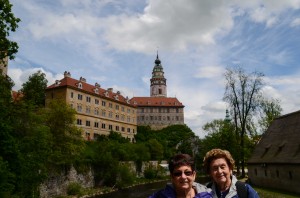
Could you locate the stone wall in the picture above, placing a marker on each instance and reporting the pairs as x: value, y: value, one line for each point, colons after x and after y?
x: 58, y: 183
x: 277, y: 176
x: 145, y: 165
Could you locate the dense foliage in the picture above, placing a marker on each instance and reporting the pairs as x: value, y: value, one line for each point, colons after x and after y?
x: 8, y: 24
x: 36, y: 142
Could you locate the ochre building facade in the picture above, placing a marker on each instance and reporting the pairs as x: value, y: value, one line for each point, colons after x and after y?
x: 98, y: 110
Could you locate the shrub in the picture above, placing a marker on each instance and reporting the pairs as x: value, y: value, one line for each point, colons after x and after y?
x: 150, y: 173
x: 125, y: 177
x: 74, y: 188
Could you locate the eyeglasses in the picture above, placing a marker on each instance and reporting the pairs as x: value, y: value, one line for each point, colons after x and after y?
x: 179, y: 173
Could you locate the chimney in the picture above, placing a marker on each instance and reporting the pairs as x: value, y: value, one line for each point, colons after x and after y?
x: 110, y: 89
x: 82, y: 79
x: 97, y: 85
x: 67, y: 74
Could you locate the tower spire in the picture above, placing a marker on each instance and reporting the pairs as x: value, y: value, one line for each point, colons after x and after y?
x: 158, y: 87
x: 157, y: 61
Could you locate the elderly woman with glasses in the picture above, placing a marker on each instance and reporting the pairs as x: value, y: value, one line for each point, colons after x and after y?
x: 219, y: 166
x: 183, y: 174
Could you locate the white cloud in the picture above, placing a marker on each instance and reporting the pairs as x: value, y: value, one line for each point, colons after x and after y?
x: 53, y: 26
x: 295, y: 22
x: 169, y: 24
x: 286, y: 89
x: 100, y: 40
x: 209, y: 72
x: 21, y: 76
x: 279, y: 58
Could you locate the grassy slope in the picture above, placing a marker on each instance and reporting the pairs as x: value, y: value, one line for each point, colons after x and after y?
x: 270, y: 193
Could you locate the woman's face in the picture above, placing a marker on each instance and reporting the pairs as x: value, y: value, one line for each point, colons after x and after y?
x: 220, y: 172
x: 183, y: 178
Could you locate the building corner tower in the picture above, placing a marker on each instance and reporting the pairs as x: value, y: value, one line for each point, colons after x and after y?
x: 158, y: 83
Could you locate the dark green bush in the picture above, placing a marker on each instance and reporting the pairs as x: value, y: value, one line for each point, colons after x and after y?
x: 125, y: 177
x: 150, y: 173
x: 74, y: 188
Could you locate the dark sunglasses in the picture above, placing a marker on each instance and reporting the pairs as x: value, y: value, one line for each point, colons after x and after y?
x: 179, y: 173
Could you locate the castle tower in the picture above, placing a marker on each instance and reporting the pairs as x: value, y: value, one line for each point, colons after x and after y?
x: 158, y: 83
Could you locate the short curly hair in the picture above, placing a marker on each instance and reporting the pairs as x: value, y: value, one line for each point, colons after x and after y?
x: 216, y: 154
x: 179, y: 160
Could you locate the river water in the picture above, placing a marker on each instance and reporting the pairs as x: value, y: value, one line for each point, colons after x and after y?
x: 142, y: 191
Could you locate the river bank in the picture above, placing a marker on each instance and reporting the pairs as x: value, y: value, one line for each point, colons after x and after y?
x: 144, y: 188
x: 109, y: 191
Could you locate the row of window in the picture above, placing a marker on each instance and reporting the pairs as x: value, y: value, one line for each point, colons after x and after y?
x: 159, y: 110
x: 105, y: 126
x: 103, y: 103
x: 104, y: 113
x: 167, y: 118
x: 290, y: 174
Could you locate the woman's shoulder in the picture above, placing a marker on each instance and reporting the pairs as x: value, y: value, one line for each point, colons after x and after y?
x: 200, y: 187
x: 251, y: 192
x: 168, y: 191
x: 202, y: 191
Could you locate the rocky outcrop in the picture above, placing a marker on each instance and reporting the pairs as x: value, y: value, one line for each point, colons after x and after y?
x: 57, y: 184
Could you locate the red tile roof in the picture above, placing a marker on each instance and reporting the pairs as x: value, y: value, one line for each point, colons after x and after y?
x: 16, y: 95
x: 156, y: 101
x: 91, y: 89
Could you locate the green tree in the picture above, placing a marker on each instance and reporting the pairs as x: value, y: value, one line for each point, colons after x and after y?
x: 169, y: 137
x: 9, y: 151
x: 34, y: 144
x: 34, y: 89
x: 142, y: 154
x: 117, y: 137
x: 269, y: 110
x: 221, y: 134
x: 144, y: 133
x: 67, y: 140
x: 7, y: 179
x: 242, y: 93
x: 156, y: 149
x: 8, y: 23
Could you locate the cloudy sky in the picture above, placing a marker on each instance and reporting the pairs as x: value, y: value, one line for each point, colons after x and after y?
x: 114, y: 43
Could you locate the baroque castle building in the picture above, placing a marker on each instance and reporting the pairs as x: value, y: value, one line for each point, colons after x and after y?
x: 158, y: 111
x: 98, y: 110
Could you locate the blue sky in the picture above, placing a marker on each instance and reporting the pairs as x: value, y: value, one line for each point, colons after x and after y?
x: 114, y: 43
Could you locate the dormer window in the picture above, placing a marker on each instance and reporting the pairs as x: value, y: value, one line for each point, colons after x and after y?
x: 96, y: 90
x: 127, y: 100
x: 106, y: 94
x: 57, y: 82
x: 80, y: 85
x: 117, y: 97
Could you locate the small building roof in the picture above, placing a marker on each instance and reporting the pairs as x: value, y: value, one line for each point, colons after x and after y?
x: 280, y: 143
